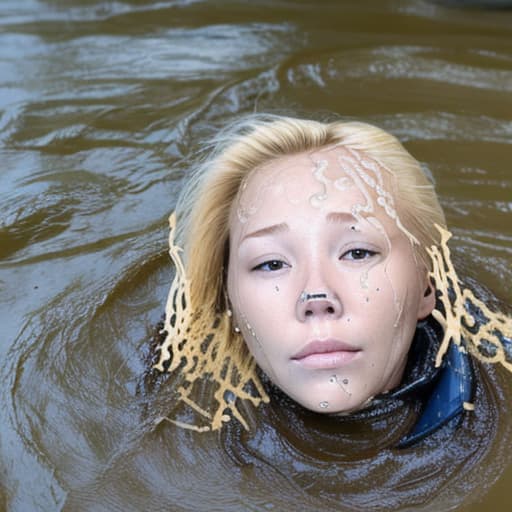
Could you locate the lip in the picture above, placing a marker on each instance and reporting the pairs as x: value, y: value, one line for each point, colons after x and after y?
x: 325, y: 354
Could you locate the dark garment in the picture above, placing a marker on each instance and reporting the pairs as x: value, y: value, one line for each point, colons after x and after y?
x: 433, y: 395
x: 444, y: 391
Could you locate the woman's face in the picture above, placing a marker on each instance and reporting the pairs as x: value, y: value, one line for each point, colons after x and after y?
x: 323, y: 283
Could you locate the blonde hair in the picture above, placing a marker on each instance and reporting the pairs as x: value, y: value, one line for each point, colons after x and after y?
x: 197, y: 308
x: 204, y: 211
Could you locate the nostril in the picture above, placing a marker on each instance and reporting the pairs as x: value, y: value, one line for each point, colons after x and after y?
x: 322, y: 305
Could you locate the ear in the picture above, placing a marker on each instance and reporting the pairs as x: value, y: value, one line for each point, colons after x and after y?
x: 428, y: 300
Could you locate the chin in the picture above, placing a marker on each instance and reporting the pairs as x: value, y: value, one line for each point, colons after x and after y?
x: 334, y: 406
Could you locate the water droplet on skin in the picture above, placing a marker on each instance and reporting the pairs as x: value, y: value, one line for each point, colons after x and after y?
x: 324, y: 405
x: 250, y: 329
x: 316, y: 200
x: 364, y: 280
x: 334, y: 380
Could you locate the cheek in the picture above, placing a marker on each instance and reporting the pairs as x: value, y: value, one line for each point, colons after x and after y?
x: 392, y: 311
x: 369, y: 295
x: 258, y: 307
x: 386, y: 315
x: 392, y: 286
x: 264, y: 304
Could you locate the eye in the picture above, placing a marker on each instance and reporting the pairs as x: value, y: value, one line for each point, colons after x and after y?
x: 358, y: 254
x: 271, y: 265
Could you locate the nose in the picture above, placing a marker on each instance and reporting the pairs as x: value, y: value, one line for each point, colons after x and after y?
x: 323, y: 304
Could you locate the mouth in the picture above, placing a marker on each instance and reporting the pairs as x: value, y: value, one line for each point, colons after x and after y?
x: 326, y: 354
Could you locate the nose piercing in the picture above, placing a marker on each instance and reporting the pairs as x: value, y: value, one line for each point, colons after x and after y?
x: 304, y: 296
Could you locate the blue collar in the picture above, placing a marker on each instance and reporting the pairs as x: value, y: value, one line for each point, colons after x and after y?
x: 454, y: 386
x: 452, y: 391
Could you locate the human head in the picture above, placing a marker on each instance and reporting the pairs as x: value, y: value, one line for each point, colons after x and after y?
x: 205, y: 208
x: 323, y: 280
x: 205, y: 205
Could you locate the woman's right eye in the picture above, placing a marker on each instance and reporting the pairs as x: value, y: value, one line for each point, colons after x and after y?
x: 271, y: 266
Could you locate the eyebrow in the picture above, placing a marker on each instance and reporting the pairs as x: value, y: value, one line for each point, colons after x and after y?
x: 340, y: 217
x: 335, y: 217
x: 270, y: 230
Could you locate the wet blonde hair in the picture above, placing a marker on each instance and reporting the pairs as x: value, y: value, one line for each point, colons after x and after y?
x: 257, y: 140
x: 200, y: 339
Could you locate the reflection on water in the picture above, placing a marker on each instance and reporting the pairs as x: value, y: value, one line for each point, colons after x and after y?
x: 101, y: 104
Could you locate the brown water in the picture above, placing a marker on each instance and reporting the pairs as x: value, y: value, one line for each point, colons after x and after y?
x: 101, y: 104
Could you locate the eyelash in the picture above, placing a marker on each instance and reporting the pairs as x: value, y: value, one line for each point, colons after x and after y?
x: 357, y: 254
x: 363, y: 254
x: 268, y: 264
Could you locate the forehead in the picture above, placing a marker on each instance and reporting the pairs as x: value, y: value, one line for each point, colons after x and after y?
x: 330, y: 179
x: 300, y: 173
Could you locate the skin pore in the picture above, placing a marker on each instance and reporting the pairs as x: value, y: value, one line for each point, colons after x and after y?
x: 324, y: 285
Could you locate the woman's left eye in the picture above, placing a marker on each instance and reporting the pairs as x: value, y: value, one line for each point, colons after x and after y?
x: 358, y: 254
x: 271, y: 265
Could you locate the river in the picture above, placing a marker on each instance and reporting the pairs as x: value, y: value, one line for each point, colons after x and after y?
x: 102, y: 103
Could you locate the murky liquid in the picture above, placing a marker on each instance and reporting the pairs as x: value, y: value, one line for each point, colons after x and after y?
x: 101, y: 105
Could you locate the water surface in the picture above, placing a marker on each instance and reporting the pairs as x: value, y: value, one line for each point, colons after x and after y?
x: 102, y: 103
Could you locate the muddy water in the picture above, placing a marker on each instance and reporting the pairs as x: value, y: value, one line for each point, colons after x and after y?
x: 101, y: 105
